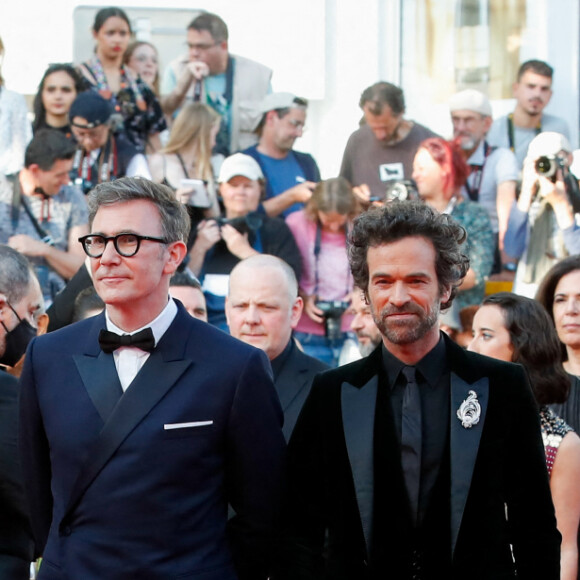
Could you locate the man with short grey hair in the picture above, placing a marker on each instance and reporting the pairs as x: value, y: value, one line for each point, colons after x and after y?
x: 494, y: 170
x: 290, y: 175
x: 20, y: 300
x: 262, y: 308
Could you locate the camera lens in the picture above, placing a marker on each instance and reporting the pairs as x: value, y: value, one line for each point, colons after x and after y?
x: 545, y: 166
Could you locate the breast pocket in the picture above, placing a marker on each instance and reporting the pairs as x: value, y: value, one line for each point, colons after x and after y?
x: 187, y: 429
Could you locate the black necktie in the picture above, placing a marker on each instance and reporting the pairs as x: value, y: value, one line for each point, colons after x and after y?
x: 411, y: 439
x: 110, y: 341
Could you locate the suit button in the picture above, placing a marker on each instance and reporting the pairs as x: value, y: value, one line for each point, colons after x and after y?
x: 66, y: 531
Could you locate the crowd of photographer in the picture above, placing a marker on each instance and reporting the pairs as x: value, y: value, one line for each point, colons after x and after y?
x: 223, y: 142
x: 216, y: 104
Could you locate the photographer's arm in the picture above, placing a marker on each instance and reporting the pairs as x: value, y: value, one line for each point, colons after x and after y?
x: 208, y: 234
x: 506, y: 195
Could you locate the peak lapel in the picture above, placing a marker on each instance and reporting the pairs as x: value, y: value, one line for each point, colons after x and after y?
x: 464, y: 447
x: 358, y: 419
x: 157, y: 376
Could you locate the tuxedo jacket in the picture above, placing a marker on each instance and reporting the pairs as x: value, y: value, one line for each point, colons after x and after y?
x: 141, y: 490
x: 496, y: 497
x: 293, y: 384
x: 16, y: 546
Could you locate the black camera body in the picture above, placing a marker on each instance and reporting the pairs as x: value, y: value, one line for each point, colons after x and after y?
x: 250, y: 222
x: 332, y: 310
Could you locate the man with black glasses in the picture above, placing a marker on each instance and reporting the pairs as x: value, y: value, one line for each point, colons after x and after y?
x: 135, y: 436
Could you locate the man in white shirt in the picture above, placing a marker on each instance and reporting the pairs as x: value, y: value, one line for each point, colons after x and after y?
x: 139, y: 426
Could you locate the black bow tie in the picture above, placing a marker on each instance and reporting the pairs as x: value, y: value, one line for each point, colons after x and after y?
x: 111, y: 341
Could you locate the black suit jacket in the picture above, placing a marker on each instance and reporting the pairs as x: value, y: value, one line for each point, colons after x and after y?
x: 16, y: 546
x: 293, y: 384
x: 499, y: 495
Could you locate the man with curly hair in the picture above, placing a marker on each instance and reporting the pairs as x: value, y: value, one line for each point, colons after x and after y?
x: 421, y: 460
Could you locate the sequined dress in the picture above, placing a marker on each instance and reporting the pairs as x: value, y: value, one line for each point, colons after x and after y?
x: 554, y: 429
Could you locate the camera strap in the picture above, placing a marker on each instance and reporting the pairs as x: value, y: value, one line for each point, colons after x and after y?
x: 17, y: 201
x: 511, y: 138
x: 477, y: 172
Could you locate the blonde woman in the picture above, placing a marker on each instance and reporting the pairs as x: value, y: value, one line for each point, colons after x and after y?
x: 187, y: 156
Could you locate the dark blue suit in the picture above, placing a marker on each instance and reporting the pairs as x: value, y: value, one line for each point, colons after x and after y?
x: 130, y: 498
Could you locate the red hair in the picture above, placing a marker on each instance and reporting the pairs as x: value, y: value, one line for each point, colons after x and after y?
x: 449, y: 156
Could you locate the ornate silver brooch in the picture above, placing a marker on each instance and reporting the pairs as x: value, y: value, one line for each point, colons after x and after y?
x: 469, y: 411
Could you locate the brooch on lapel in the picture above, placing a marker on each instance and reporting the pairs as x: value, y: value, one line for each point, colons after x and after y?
x: 469, y: 411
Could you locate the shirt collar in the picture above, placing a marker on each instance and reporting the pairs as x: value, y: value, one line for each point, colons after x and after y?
x: 431, y: 366
x: 279, y: 361
x: 158, y: 326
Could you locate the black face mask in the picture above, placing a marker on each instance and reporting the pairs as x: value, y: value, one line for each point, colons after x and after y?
x: 16, y: 340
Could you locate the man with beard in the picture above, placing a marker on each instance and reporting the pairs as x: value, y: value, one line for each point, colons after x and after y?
x: 494, y: 170
x: 532, y: 91
x: 422, y: 460
x: 363, y: 325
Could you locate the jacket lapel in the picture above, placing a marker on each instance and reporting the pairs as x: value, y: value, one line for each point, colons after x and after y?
x: 464, y: 445
x: 358, y: 419
x: 158, y: 375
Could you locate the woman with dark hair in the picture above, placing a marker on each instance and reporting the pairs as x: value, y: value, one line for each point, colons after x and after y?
x: 440, y: 172
x: 517, y: 329
x: 559, y: 293
x: 105, y: 73
x: 58, y: 88
x: 320, y: 230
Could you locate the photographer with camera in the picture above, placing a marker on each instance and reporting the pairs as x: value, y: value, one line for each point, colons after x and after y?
x: 222, y: 242
x: 544, y: 224
x: 320, y: 230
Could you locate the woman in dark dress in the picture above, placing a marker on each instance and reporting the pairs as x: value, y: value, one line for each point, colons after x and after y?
x: 517, y: 329
x: 559, y: 293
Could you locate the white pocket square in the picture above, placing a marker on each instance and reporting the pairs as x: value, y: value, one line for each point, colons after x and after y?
x: 186, y: 425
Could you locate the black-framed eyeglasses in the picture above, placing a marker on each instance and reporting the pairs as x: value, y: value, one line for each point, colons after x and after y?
x: 127, y: 245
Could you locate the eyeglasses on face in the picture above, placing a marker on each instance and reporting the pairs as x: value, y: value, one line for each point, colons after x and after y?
x: 127, y: 245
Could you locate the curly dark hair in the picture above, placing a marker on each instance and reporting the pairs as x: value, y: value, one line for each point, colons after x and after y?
x: 536, y: 345
x: 402, y: 219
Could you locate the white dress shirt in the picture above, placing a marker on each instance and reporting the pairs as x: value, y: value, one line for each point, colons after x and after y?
x: 130, y: 359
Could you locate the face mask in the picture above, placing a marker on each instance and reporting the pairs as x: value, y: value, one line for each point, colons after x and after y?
x: 16, y: 340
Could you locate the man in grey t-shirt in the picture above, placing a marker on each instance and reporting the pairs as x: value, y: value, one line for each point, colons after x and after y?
x: 532, y: 91
x: 494, y: 170
x: 384, y: 147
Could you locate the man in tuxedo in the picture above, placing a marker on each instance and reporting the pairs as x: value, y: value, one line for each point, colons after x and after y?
x: 422, y: 460
x: 135, y: 436
x: 262, y: 308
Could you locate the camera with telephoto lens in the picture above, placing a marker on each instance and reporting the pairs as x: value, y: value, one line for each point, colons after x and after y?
x: 250, y: 222
x: 332, y: 310
x: 548, y: 165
